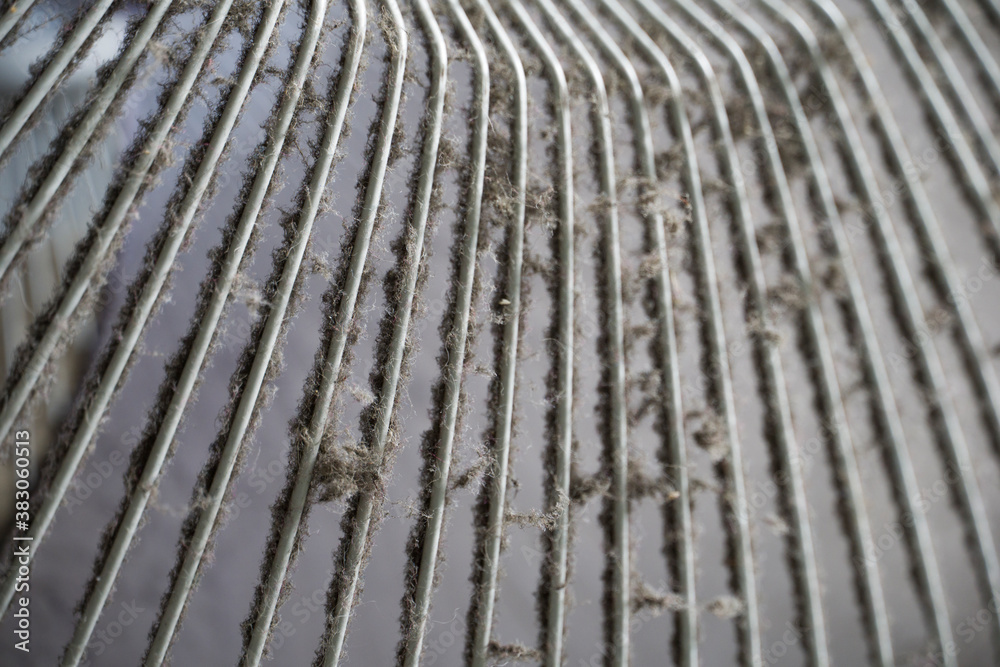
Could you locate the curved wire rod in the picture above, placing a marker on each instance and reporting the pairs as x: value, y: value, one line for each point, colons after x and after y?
x: 112, y: 223
x: 90, y: 266
x: 725, y: 401
x: 49, y: 78
x: 10, y: 18
x: 992, y: 9
x: 928, y: 228
x: 666, y: 336
x: 291, y: 523
x: 351, y: 572
x: 129, y: 523
x: 913, y: 321
x: 195, y: 549
x: 619, y: 556
x: 972, y: 171
x: 113, y: 374
x: 485, y: 597
x: 987, y: 61
x: 953, y: 79
x: 413, y: 640
x: 925, y: 563
x: 971, y: 340
x: 788, y: 453
x: 829, y: 386
x: 40, y: 203
x: 555, y: 611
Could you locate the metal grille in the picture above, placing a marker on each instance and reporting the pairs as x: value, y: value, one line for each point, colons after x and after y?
x: 591, y: 331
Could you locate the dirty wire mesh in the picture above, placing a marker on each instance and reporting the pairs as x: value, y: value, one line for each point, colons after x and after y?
x: 530, y: 331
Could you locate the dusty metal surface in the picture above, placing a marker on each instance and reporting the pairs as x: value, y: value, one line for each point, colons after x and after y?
x: 530, y: 331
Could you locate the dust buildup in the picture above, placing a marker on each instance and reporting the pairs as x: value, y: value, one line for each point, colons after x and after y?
x: 448, y: 333
x: 92, y: 299
x: 172, y: 57
x: 371, y: 477
x: 176, y: 364
x: 347, y: 469
x: 515, y: 653
x: 725, y: 607
x: 37, y: 68
x: 336, y: 472
x: 499, y: 215
x: 238, y: 379
x: 712, y: 437
x: 647, y: 599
